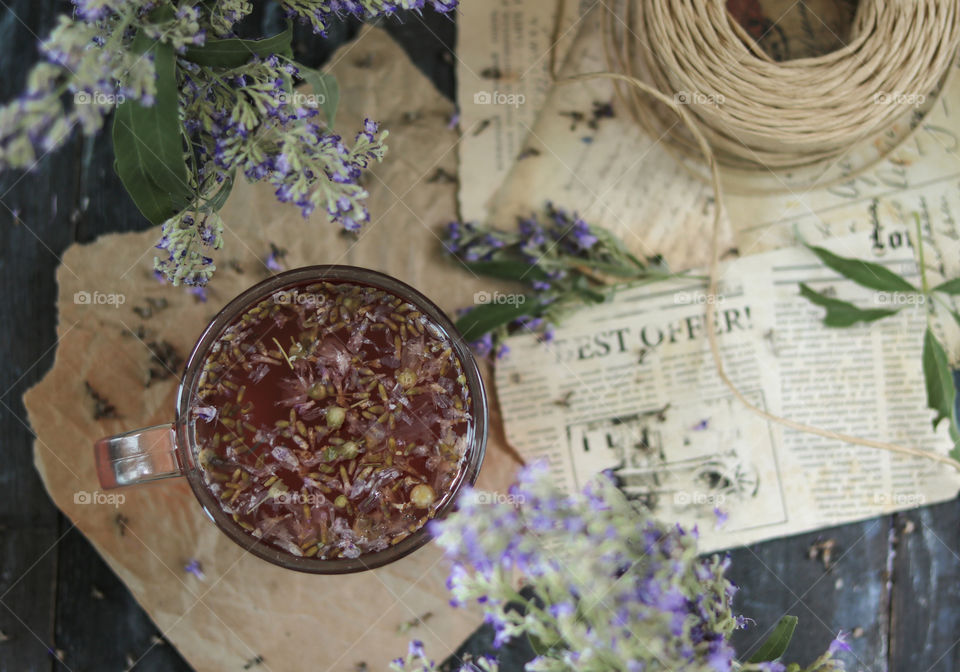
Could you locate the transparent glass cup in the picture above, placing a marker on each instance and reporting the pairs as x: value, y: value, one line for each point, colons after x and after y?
x: 171, y: 450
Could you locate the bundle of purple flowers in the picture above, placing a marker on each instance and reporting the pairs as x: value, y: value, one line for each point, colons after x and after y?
x: 195, y: 105
x: 562, y: 260
x: 613, y: 589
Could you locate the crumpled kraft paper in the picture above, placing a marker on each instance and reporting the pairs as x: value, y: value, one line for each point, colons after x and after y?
x: 245, y: 610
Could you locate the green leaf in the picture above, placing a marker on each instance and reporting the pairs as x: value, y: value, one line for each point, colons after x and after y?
x: 941, y: 393
x: 324, y: 84
x: 519, y: 271
x: 234, y: 52
x: 776, y: 644
x: 489, y: 316
x: 540, y: 647
x: 951, y: 287
x: 147, y: 142
x: 153, y: 202
x: 582, y: 287
x: 217, y: 200
x: 864, y: 273
x: 841, y: 313
x: 162, y: 14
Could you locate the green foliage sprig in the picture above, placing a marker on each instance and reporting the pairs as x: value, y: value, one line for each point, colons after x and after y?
x: 938, y: 374
x: 559, y: 260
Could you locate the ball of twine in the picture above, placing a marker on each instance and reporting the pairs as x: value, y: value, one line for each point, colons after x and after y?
x: 758, y: 113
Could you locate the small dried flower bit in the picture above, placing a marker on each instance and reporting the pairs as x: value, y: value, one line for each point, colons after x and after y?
x: 407, y: 378
x: 121, y: 522
x: 824, y: 550
x: 422, y: 496
x: 335, y: 417
x: 274, y: 260
x: 194, y: 567
x: 164, y: 361
x: 101, y: 407
x: 256, y: 661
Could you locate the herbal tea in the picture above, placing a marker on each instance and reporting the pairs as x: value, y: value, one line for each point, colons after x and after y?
x: 332, y: 419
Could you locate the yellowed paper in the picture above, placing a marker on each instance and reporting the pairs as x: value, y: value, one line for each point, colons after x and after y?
x: 920, y: 178
x: 508, y: 52
x: 245, y: 608
x: 613, y: 175
x: 630, y: 385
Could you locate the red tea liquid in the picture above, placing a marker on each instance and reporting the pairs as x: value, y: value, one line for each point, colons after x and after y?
x: 332, y: 419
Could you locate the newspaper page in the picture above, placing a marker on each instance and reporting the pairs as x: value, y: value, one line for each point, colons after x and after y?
x: 508, y: 52
x: 630, y: 385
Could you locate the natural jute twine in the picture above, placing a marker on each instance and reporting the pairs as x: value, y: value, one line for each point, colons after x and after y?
x: 903, y: 43
x: 758, y: 113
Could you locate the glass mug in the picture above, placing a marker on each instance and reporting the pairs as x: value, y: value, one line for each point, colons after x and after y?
x: 375, y: 453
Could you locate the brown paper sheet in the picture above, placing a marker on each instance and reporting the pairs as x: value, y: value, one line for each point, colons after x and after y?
x: 245, y: 608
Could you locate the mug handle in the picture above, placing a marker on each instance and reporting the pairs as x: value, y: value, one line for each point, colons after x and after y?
x: 140, y: 456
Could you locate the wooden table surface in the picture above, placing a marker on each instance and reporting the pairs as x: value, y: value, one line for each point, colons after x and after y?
x: 894, y: 582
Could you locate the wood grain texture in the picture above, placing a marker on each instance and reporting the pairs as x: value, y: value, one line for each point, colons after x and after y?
x: 99, y: 626
x: 849, y: 594
x: 925, y: 617
x: 34, y: 230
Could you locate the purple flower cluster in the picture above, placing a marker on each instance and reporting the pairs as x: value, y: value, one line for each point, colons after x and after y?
x: 319, y: 14
x: 538, y: 240
x: 253, y: 123
x: 187, y: 243
x: 612, y: 588
x: 556, y: 254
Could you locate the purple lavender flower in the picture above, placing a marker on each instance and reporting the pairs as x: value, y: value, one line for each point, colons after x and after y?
x: 773, y: 666
x: 194, y: 567
x: 838, y: 644
x: 273, y: 260
x: 582, y: 235
x: 205, y: 413
x: 721, y: 516
x: 484, y: 345
x: 556, y: 254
